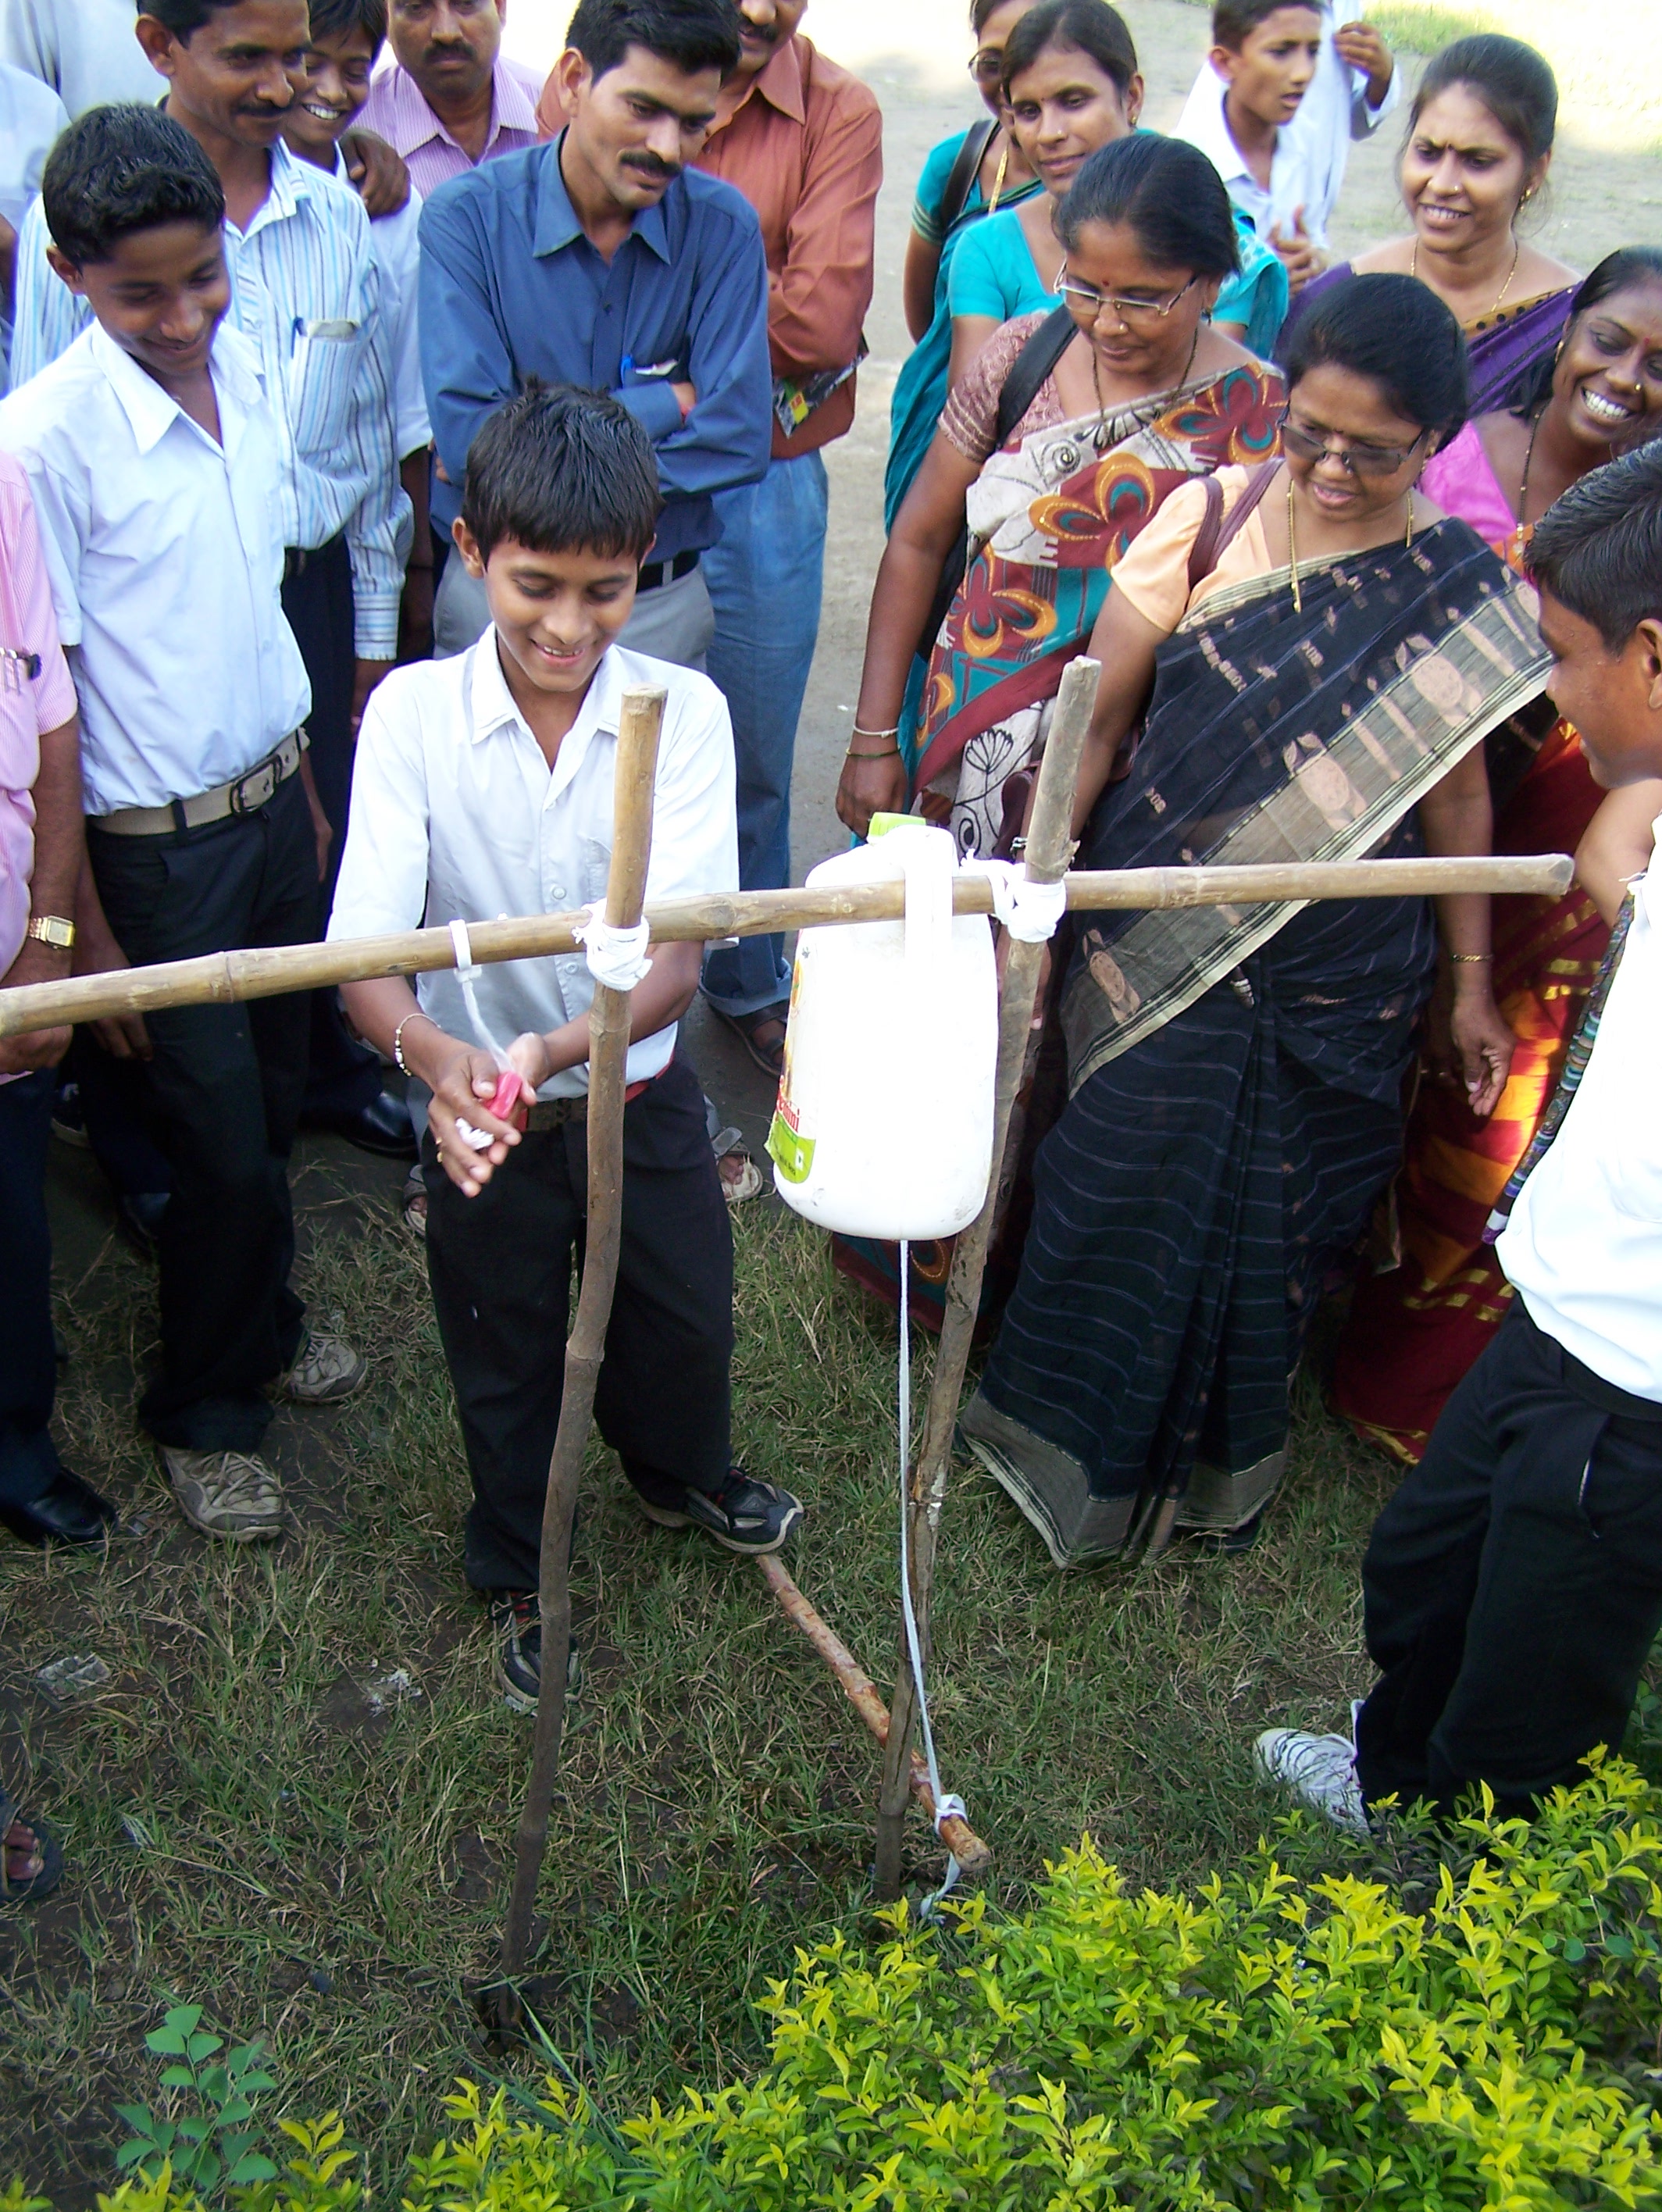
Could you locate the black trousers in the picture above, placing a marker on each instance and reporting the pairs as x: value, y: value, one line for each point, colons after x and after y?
x: 316, y: 596
x: 28, y: 1370
x: 224, y: 1088
x: 1513, y: 1586
x: 500, y: 1265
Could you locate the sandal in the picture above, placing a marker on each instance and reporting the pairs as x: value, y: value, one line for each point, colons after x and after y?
x: 25, y: 1889
x: 747, y: 1183
x: 761, y: 1033
x: 412, y: 1202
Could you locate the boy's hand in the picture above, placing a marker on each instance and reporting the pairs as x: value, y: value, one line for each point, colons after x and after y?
x: 379, y: 173
x: 528, y: 1056
x: 1301, y: 253
x: 1361, y: 46
x: 35, y: 964
x: 463, y: 1081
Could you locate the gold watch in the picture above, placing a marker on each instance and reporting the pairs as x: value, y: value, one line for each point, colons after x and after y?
x: 52, y: 929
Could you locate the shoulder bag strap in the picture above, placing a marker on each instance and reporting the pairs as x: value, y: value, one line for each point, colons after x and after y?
x: 961, y: 175
x: 1214, y: 533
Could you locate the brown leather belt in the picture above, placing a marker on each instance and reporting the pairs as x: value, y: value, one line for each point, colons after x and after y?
x: 245, y: 794
x: 554, y: 1113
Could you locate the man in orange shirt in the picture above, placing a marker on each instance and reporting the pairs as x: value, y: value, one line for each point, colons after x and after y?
x: 803, y: 140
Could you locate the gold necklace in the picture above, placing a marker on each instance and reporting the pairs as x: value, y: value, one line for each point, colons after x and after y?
x: 998, y: 182
x: 1292, y: 541
x: 1160, y: 398
x: 1500, y: 297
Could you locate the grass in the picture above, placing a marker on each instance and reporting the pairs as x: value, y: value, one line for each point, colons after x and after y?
x: 245, y: 1831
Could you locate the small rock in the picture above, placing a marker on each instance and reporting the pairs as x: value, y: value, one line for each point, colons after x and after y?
x: 395, y: 1687
x: 322, y: 1981
x: 78, y: 1674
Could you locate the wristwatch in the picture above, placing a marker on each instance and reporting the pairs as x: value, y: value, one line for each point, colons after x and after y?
x: 52, y: 929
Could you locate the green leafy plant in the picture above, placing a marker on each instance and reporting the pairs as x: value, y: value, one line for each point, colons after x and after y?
x: 210, y: 2144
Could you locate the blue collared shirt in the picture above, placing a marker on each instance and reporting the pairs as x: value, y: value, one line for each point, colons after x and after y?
x: 512, y: 288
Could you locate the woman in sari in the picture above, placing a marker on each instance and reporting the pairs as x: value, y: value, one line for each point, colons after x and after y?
x: 1478, y: 147
x: 1415, y: 1329
x: 1235, y: 1074
x: 948, y: 207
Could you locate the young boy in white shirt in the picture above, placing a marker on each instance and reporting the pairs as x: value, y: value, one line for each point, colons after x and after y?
x: 1281, y: 96
x: 154, y: 461
x: 483, y: 786
x: 1513, y: 1586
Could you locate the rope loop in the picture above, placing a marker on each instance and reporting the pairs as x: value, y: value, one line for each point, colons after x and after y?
x: 616, y: 958
x: 1027, y: 908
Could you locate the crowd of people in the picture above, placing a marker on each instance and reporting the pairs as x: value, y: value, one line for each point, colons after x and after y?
x: 379, y: 412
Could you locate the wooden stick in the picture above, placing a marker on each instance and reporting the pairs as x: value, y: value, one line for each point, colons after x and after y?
x: 639, y: 728
x: 861, y: 1692
x: 1049, y: 848
x: 220, y: 978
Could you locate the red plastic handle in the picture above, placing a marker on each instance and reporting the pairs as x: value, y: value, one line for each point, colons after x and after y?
x: 510, y: 1101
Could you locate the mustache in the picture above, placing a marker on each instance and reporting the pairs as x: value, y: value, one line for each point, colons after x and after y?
x: 648, y: 165
x: 458, y: 52
x: 768, y: 33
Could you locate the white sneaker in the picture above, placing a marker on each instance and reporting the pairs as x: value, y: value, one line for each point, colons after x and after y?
x: 1319, y: 1770
x: 233, y: 1495
x: 327, y: 1369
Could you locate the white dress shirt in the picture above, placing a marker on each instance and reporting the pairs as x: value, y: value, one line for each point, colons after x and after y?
x: 1583, y: 1248
x: 455, y: 816
x: 85, y: 50
x: 305, y: 289
x: 30, y: 117
x: 165, y: 553
x: 1311, y: 151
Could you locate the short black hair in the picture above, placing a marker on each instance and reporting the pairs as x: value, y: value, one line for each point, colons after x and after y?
x: 1169, y: 194
x: 1092, y: 26
x: 183, y: 18
x: 117, y: 170
x: 333, y: 19
x: 689, y: 35
x: 1233, y: 21
x: 1514, y: 83
x: 1598, y: 548
x: 1396, y: 331
x: 1624, y: 270
x: 562, y: 469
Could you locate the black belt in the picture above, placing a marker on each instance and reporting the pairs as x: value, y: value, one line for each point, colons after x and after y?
x: 657, y: 572
x: 298, y: 558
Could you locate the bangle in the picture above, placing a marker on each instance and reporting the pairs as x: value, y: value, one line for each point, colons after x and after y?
x: 420, y: 1014
x: 857, y: 731
x: 1472, y: 956
x: 889, y: 752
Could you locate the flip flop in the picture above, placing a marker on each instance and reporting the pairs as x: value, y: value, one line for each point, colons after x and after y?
x: 35, y: 1886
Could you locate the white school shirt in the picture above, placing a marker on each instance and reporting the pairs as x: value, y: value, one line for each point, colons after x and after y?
x: 1311, y: 151
x: 165, y: 553
x: 455, y: 816
x: 85, y: 50
x: 306, y: 290
x: 1583, y: 1248
x: 30, y: 117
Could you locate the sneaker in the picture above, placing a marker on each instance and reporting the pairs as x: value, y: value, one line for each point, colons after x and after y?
x: 746, y: 1515
x: 1320, y: 1771
x: 327, y: 1369
x: 230, y: 1494
x: 518, y: 1633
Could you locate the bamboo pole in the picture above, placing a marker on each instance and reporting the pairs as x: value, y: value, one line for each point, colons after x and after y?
x: 861, y: 1692
x: 1049, y: 848
x: 264, y: 972
x: 639, y: 728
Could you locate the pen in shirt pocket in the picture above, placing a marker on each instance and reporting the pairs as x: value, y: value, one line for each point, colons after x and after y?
x: 18, y: 668
x: 337, y: 331
x: 643, y: 369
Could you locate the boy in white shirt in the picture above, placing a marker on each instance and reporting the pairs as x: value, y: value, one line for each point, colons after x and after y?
x: 154, y: 461
x: 483, y: 786
x: 1275, y: 109
x: 1512, y: 1587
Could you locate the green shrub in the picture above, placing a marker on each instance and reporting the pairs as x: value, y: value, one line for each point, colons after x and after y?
x: 1472, y: 2021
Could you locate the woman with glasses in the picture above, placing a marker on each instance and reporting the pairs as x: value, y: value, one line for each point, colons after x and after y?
x: 1415, y: 1329
x: 1314, y: 683
x: 1479, y: 149
x: 970, y: 175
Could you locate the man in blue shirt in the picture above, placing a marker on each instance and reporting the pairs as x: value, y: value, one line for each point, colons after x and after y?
x: 602, y: 259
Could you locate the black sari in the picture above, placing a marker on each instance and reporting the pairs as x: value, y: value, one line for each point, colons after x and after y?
x: 1236, y: 1073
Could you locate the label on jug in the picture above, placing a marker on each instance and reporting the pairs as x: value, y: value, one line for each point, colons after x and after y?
x: 791, y: 1152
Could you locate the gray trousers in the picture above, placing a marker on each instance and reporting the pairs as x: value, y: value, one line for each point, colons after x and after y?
x: 675, y: 622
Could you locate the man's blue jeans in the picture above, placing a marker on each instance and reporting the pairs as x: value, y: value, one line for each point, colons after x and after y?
x: 765, y: 579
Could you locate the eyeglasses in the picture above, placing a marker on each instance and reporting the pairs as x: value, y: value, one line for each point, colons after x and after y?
x: 988, y: 67
x: 1362, y: 460
x: 1086, y: 300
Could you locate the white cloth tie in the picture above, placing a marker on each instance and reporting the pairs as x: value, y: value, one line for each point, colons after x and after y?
x: 616, y: 958
x: 1027, y: 908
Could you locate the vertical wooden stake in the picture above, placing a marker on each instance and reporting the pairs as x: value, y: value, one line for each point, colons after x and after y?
x: 1049, y: 848
x: 640, y: 725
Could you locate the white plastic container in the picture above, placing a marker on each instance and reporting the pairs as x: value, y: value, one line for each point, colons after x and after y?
x: 884, y: 1121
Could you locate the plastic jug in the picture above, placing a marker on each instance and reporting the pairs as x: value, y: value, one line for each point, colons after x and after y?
x: 884, y: 1121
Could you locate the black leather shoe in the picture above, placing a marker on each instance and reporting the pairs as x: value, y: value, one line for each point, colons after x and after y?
x: 71, y: 1512
x: 381, y: 1126
x: 138, y: 1216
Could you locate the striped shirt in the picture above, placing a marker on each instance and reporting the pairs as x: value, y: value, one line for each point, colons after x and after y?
x: 306, y: 291
x: 29, y: 705
x: 396, y: 110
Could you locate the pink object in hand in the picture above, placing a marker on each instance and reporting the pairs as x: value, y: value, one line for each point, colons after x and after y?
x: 510, y: 1101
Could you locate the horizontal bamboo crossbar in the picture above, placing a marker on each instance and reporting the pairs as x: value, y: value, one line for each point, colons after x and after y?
x: 265, y: 973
